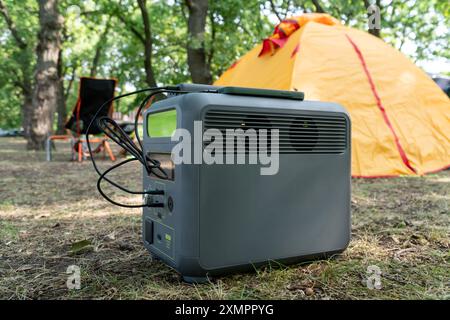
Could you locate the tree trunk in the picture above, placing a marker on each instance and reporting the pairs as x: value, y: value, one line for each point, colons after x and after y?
x: 47, y: 85
x: 61, y: 104
x: 149, y: 76
x: 197, y: 60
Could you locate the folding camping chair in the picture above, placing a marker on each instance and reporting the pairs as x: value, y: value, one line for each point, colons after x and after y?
x: 92, y: 94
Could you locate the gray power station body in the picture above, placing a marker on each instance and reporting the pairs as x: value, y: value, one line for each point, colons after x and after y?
x: 222, y: 218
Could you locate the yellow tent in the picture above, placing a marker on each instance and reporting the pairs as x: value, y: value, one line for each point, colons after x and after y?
x: 400, y: 117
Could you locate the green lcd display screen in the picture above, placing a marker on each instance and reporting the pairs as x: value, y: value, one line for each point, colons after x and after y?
x: 162, y: 124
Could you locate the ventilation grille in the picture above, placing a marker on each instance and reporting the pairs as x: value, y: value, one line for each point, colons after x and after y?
x: 319, y: 134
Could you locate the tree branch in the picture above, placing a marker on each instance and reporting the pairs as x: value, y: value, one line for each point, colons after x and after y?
x: 274, y: 10
x: 183, y: 11
x: 241, y: 25
x: 366, y: 4
x: 11, y: 26
x: 318, y: 7
x: 69, y: 85
x: 99, y: 47
x: 286, y: 12
x: 213, y: 37
x: 127, y: 24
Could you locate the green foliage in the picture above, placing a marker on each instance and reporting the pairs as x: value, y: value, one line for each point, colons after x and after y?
x: 16, y: 63
x: 10, y: 100
x: 239, y: 25
x: 110, y: 29
x: 419, y: 26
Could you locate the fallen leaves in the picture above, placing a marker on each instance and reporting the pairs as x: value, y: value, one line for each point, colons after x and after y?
x: 81, y: 246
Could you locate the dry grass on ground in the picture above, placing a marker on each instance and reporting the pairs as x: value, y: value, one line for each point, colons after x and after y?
x: 400, y: 225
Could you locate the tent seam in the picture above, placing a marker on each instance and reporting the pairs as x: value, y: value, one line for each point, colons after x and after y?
x: 295, y: 57
x: 380, y: 105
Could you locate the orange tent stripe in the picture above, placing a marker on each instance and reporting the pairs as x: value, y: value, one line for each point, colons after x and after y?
x: 294, y: 52
x: 380, y: 105
x: 400, y: 119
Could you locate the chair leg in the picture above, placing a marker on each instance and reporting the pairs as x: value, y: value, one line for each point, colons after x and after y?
x: 110, y: 153
x: 84, y: 150
x: 104, y: 149
x: 48, y: 149
x: 80, y: 151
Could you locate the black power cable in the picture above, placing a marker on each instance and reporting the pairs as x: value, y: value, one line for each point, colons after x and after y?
x: 116, y: 133
x: 102, y: 177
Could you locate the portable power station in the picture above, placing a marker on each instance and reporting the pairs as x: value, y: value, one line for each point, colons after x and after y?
x: 213, y: 219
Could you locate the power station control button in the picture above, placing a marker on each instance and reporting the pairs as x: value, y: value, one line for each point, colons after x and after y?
x: 170, y: 204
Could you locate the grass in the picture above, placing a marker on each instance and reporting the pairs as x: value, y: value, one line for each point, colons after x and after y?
x: 400, y: 225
